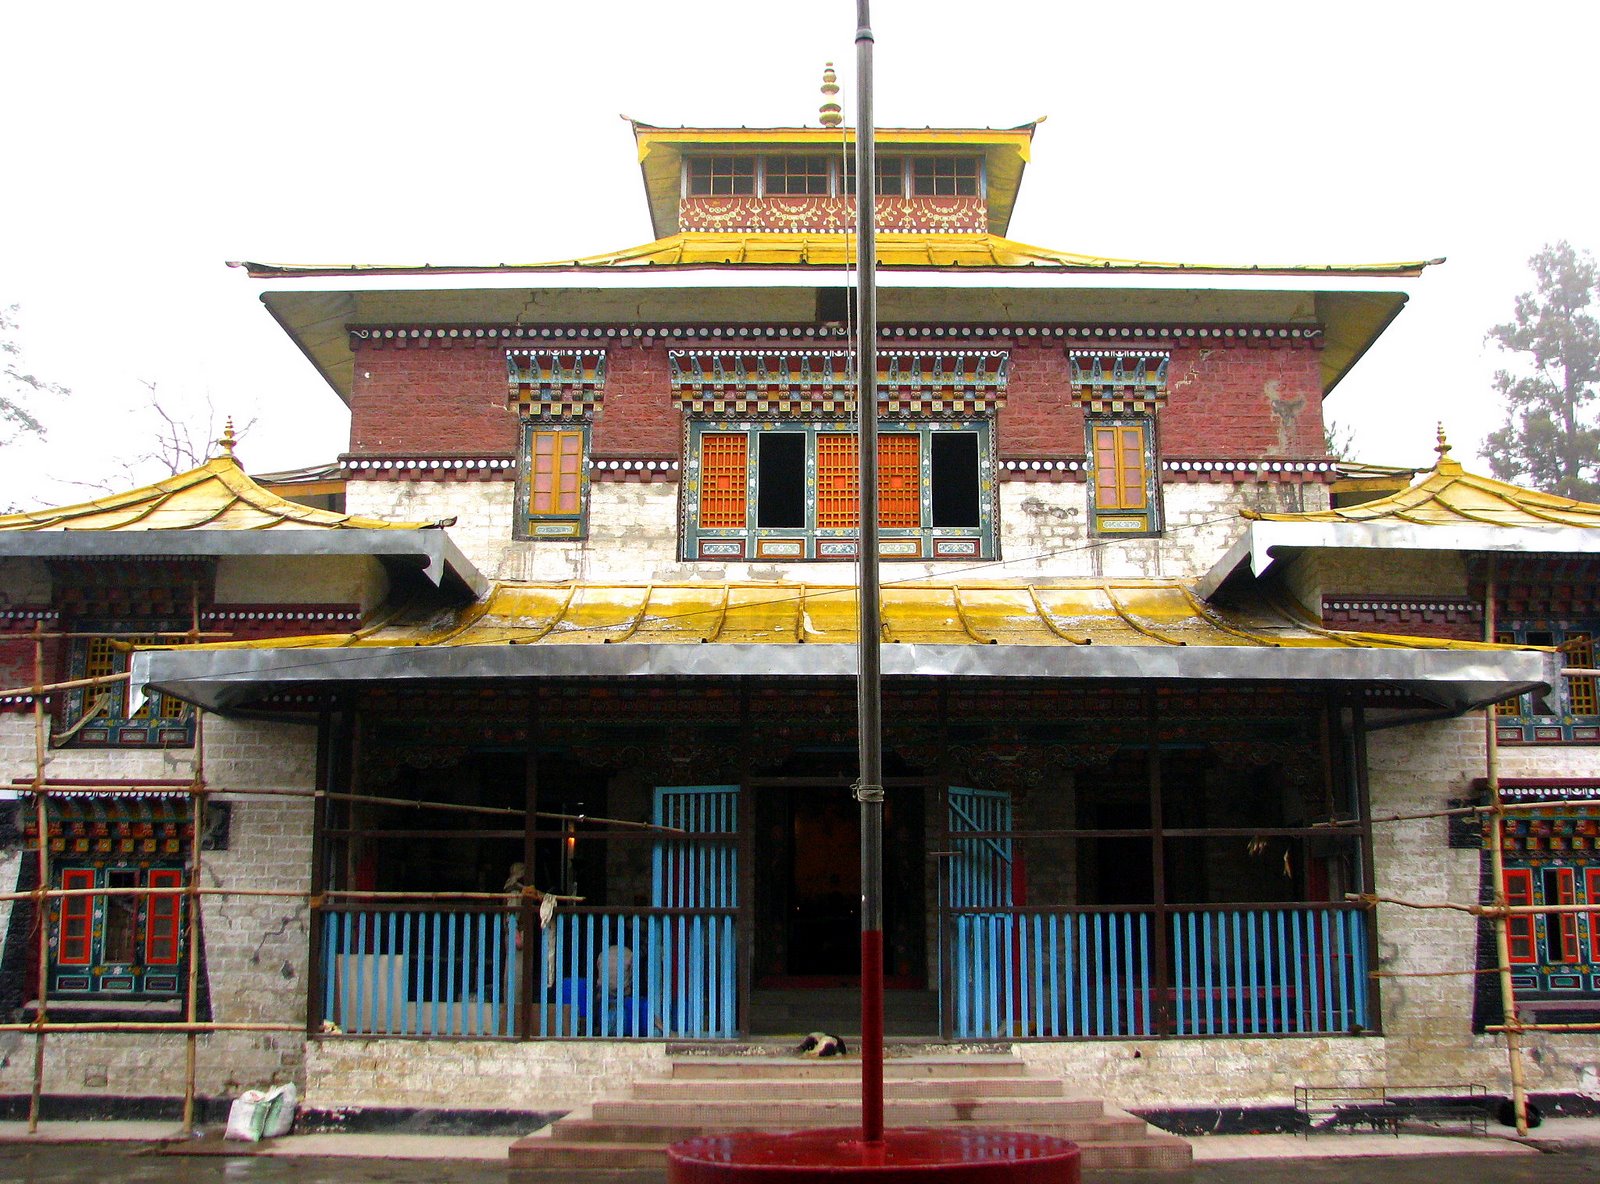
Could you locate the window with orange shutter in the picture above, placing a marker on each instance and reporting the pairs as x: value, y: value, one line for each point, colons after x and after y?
x: 1123, y: 492
x: 555, y: 478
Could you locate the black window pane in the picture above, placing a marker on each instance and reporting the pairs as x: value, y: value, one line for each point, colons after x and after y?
x: 781, y: 479
x: 955, y: 479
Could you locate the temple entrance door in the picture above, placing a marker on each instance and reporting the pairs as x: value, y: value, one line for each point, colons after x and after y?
x: 808, y: 887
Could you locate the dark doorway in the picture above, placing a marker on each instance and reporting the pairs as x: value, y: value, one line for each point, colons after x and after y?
x: 808, y: 886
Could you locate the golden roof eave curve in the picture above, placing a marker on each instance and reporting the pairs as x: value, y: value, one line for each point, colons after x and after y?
x: 218, y: 495
x: 1449, y: 495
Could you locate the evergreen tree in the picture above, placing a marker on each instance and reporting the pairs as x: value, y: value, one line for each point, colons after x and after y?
x: 1547, y: 441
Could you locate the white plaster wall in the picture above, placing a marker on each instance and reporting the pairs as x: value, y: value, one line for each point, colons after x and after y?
x: 1181, y: 1073
x: 475, y: 1074
x: 255, y: 947
x: 633, y: 533
x: 320, y: 579
x: 1427, y: 1021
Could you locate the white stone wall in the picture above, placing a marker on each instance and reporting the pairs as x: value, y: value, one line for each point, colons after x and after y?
x: 633, y: 533
x: 255, y: 947
x: 297, y: 580
x: 1427, y: 1020
x: 1195, y: 1073
x: 475, y: 1074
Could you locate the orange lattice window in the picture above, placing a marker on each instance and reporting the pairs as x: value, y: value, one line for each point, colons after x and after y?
x: 899, y: 481
x: 555, y: 473
x: 1119, y: 472
x: 723, y: 467
x: 164, y: 919
x: 1579, y: 651
x: 77, y: 920
x: 838, y: 482
x: 1519, y: 929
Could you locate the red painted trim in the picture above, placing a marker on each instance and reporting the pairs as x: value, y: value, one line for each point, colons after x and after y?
x: 163, y: 920
x: 872, y: 1035
x: 76, y: 936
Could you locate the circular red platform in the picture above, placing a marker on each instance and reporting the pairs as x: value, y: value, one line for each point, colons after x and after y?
x: 968, y: 1156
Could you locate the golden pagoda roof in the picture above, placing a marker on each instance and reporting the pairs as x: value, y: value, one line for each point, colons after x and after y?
x: 219, y: 495
x: 1450, y: 496
x: 1099, y: 613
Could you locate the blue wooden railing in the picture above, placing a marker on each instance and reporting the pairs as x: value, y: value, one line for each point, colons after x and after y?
x: 1059, y: 973
x: 598, y: 973
x: 640, y: 973
x: 420, y: 972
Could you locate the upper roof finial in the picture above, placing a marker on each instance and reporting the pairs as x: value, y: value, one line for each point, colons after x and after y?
x: 1443, y: 446
x: 832, y: 114
x: 227, y: 439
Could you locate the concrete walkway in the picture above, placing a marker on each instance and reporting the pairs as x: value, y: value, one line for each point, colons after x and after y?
x: 1557, y: 1134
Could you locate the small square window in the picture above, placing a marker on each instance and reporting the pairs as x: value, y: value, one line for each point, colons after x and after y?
x: 944, y: 176
x: 789, y: 175
x: 722, y: 176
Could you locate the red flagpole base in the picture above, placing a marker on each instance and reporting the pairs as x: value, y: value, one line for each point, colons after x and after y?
x: 904, y: 1154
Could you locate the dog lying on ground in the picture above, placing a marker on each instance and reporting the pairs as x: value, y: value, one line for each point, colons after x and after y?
x: 822, y: 1044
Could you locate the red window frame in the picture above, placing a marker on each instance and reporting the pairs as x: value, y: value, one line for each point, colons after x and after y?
x: 75, y: 938
x: 1563, y: 924
x: 1591, y: 879
x: 163, y: 920
x: 1524, y: 949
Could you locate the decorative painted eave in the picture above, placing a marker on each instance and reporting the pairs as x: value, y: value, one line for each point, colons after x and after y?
x: 216, y: 511
x: 1447, y: 509
x: 1095, y: 630
x: 898, y: 250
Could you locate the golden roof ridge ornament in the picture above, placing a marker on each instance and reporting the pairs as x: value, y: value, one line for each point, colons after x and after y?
x: 228, y: 438
x: 1445, y: 463
x: 832, y: 113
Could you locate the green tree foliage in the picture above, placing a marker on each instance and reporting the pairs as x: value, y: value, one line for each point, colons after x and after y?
x: 20, y: 385
x: 1547, y: 440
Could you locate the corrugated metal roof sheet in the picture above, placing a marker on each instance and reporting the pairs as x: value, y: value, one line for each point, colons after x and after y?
x: 1128, y: 613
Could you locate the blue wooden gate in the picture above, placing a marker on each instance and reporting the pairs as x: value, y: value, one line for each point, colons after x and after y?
x: 698, y: 879
x: 979, y: 876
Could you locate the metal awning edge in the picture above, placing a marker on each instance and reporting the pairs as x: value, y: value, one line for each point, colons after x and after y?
x: 440, y: 558
x: 219, y: 680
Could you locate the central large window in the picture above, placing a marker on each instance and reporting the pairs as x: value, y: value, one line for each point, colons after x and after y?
x: 786, y: 489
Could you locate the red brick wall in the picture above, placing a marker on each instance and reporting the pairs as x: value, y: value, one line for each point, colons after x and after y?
x: 450, y: 397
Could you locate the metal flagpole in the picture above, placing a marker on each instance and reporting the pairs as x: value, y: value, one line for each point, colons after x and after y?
x: 869, y: 713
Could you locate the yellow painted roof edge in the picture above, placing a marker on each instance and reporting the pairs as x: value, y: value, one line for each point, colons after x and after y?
x: 1541, y: 509
x: 232, y: 482
x: 461, y: 625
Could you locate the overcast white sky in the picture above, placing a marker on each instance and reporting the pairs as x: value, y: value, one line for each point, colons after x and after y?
x: 145, y: 145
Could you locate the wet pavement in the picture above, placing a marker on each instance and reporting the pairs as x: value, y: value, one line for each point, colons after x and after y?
x: 133, y: 1163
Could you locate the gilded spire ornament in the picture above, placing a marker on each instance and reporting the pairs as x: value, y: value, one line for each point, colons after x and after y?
x: 1443, y: 445
x: 832, y: 113
x: 228, y: 438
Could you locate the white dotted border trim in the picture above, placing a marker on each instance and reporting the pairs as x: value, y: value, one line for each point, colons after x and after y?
x: 650, y: 333
x: 1185, y: 466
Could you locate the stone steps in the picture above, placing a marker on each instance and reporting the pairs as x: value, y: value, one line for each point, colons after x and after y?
x: 715, y: 1094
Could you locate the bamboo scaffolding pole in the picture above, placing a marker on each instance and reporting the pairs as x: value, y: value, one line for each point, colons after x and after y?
x: 175, y: 1027
x: 191, y: 1005
x: 285, y: 893
x: 1367, y: 900
x: 43, y: 688
x: 1458, y: 811
x: 1432, y: 973
x: 1497, y: 870
x: 1589, y: 1026
x: 41, y: 908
